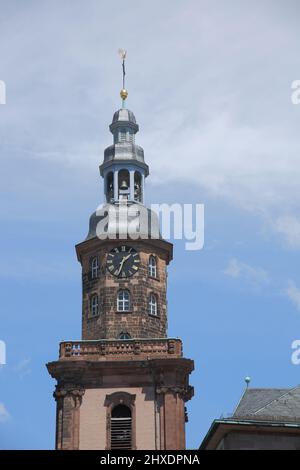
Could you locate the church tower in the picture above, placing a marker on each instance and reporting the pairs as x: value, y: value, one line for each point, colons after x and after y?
x: 125, y: 383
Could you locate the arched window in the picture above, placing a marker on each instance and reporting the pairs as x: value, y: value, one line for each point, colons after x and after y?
x: 121, y: 428
x: 137, y: 186
x: 95, y: 267
x: 124, y: 335
x: 152, y: 304
x: 152, y: 267
x: 123, y: 183
x: 109, y: 187
x: 123, y: 301
x: 94, y: 305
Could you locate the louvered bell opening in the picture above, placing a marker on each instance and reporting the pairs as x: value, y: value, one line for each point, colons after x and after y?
x: 121, y: 428
x: 121, y: 433
x: 122, y: 136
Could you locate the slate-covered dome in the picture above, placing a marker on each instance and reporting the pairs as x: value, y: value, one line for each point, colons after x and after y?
x: 124, y: 114
x: 124, y: 118
x: 148, y: 221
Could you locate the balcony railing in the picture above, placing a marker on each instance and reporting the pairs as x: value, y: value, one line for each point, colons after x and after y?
x: 120, y: 349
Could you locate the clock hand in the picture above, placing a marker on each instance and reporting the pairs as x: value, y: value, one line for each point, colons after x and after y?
x: 125, y: 258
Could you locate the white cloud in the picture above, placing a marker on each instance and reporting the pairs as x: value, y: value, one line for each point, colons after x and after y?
x: 293, y: 293
x: 255, y: 275
x: 210, y: 86
x: 41, y: 272
x: 22, y: 368
x: 4, y: 414
x: 233, y: 269
x: 289, y: 227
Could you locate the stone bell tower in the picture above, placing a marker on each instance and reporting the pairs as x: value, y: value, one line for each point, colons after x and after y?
x: 125, y: 383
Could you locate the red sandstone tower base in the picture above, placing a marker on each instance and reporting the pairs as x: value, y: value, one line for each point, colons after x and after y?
x: 149, y: 377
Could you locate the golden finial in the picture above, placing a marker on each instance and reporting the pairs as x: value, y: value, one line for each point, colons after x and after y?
x: 123, y: 92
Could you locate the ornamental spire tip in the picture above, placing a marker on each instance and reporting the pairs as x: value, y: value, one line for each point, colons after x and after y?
x: 123, y: 92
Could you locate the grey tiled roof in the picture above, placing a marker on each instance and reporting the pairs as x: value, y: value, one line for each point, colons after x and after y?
x: 268, y: 403
x: 124, y: 114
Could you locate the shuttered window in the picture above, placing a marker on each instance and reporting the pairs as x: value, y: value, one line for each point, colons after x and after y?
x: 121, y: 428
x: 122, y: 135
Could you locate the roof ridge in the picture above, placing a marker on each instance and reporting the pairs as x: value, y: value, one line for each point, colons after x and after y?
x: 271, y: 388
x: 242, y: 396
x: 278, y: 398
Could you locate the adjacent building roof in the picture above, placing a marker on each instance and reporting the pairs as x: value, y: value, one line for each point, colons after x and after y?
x: 269, y: 403
x: 267, y: 408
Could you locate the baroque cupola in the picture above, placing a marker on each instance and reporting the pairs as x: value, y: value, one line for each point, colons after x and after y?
x: 124, y: 169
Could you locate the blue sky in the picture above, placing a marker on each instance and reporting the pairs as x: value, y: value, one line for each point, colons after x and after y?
x: 210, y: 85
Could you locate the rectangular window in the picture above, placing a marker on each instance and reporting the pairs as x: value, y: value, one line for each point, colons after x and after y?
x: 94, y: 305
x: 123, y: 303
x: 95, y: 267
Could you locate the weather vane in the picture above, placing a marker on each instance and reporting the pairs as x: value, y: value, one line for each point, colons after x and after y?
x: 123, y: 92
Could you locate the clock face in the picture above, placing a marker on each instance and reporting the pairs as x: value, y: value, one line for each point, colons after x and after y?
x: 123, y: 261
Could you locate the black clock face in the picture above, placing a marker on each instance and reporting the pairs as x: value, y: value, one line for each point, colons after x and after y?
x: 123, y: 261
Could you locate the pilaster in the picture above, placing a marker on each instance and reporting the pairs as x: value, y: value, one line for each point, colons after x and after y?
x: 68, y: 417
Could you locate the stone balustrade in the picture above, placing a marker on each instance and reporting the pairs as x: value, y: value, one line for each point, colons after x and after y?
x: 120, y: 349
